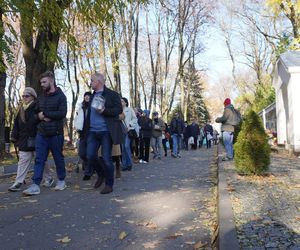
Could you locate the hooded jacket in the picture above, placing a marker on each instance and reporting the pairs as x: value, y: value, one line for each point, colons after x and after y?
x: 225, y: 118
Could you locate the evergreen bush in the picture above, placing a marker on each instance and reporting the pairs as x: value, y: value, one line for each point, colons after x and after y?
x: 252, y: 151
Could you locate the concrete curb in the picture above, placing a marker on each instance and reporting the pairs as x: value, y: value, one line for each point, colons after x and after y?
x: 227, y: 231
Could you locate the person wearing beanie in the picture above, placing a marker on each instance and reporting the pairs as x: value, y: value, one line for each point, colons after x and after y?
x: 227, y: 128
x: 23, y: 136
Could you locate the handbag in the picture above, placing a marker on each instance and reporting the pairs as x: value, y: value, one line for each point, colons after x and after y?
x: 31, y: 142
x: 132, y: 133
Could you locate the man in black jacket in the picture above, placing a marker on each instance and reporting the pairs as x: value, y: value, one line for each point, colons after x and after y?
x: 177, y: 126
x: 105, y: 129
x: 50, y: 113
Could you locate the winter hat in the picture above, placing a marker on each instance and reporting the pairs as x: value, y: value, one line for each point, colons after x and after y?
x: 227, y: 102
x: 30, y: 91
x: 147, y: 112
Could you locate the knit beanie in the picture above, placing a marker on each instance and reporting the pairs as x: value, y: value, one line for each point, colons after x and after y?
x: 227, y: 102
x: 30, y: 91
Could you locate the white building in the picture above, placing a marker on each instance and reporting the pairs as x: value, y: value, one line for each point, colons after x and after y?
x: 287, y: 85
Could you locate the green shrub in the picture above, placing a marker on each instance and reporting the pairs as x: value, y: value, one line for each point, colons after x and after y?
x: 252, y: 151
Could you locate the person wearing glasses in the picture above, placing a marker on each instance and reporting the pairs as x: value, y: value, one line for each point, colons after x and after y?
x: 23, y: 136
x: 50, y: 114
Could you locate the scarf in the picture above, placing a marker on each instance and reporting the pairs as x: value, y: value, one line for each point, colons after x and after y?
x: 23, y: 108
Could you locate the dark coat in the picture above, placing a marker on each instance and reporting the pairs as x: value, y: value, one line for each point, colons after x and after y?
x: 113, y: 107
x: 23, y: 130
x: 208, y: 129
x: 146, y: 127
x: 177, y: 126
x: 54, y: 106
x: 194, y: 130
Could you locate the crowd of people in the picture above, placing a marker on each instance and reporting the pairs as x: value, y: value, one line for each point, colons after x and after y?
x: 112, y: 135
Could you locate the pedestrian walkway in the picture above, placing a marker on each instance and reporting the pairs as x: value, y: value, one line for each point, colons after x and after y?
x: 166, y: 204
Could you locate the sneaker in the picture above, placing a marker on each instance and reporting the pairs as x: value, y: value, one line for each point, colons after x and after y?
x: 33, y: 189
x: 173, y: 155
x: 178, y: 156
x: 60, y: 185
x: 48, y: 183
x: 15, y: 187
x: 226, y: 159
x: 141, y: 161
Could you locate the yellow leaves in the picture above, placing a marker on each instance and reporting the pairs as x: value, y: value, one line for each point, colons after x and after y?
x: 56, y: 215
x: 148, y: 224
x: 173, y: 236
x: 3, y: 206
x: 106, y: 222
x: 122, y: 235
x: 151, y: 244
x: 199, y: 245
x: 27, y: 217
x: 65, y: 239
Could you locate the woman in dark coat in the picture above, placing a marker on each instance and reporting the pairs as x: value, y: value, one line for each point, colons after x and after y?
x: 23, y: 135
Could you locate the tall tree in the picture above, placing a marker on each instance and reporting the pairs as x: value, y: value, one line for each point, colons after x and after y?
x: 41, y: 25
x: 2, y: 80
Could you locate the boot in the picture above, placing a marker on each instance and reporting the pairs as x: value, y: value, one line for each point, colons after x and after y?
x: 118, y: 170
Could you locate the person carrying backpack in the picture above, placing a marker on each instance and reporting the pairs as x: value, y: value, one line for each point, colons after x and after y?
x: 229, y: 119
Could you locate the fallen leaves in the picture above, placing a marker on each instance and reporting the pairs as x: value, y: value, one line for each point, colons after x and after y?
x: 27, y: 217
x: 106, y: 222
x: 148, y: 224
x: 173, y: 236
x: 56, y: 215
x: 199, y: 245
x: 151, y: 244
x: 65, y: 239
x: 122, y: 235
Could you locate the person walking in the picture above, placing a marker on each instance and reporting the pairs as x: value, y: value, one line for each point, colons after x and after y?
x: 176, y: 128
x: 23, y: 136
x: 51, y: 112
x: 104, y: 129
x: 194, y: 132
x: 227, y: 128
x: 146, y: 127
x: 156, y: 139
x: 208, y: 132
x: 186, y: 135
x: 131, y: 123
x: 80, y: 124
x: 166, y: 139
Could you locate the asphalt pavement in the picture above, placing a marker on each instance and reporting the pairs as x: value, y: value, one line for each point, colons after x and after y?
x: 165, y: 204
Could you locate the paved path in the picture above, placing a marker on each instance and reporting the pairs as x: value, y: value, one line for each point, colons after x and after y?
x: 165, y: 204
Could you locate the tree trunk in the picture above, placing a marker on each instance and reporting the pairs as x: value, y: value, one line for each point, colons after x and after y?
x: 136, y: 50
x: 2, y: 89
x: 43, y: 55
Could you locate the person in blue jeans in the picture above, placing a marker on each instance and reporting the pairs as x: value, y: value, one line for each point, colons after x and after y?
x: 51, y: 111
x: 104, y: 129
x: 131, y: 122
x: 227, y: 129
x: 176, y: 129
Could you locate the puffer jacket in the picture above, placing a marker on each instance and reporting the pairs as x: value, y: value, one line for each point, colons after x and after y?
x: 53, y: 106
x: 22, y: 130
x: 227, y: 116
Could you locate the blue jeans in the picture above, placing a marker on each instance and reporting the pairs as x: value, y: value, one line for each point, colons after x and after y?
x: 176, y: 144
x: 43, y: 145
x: 156, y: 144
x: 94, y: 140
x: 126, y: 153
x: 228, y: 139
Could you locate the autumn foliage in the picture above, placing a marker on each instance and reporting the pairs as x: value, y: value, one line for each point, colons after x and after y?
x: 252, y: 151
